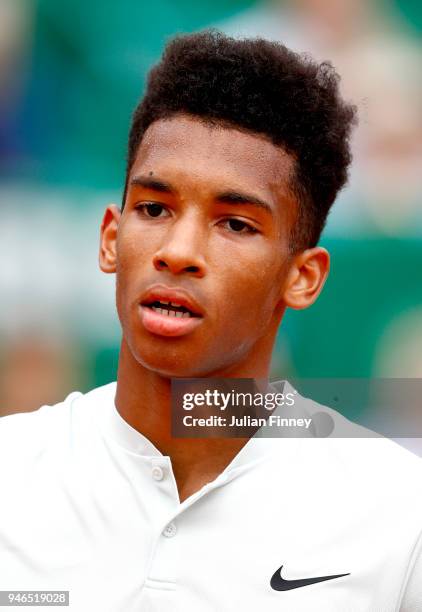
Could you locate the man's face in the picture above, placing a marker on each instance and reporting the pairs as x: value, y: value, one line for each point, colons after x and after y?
x: 205, y: 226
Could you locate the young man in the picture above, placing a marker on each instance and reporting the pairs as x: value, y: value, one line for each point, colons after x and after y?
x: 236, y: 154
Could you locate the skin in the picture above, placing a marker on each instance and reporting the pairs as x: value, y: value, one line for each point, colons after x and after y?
x: 243, y: 279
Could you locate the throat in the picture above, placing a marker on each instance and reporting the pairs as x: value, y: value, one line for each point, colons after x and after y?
x: 197, y: 462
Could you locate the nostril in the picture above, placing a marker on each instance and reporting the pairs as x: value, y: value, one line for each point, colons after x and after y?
x: 176, y: 264
x: 160, y: 263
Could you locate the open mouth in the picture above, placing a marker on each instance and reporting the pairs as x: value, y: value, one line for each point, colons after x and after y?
x: 170, y: 309
x: 170, y: 313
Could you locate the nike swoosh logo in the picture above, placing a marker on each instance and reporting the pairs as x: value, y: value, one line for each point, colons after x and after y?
x: 280, y: 584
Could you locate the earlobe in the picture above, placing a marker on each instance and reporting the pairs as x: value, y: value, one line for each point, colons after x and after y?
x: 306, y: 278
x: 108, y: 239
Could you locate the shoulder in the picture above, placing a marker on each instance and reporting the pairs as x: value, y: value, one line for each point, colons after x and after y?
x: 366, y: 459
x: 353, y: 460
x: 26, y: 435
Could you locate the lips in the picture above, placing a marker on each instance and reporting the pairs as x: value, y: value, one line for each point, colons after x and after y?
x: 169, y: 311
x: 179, y: 299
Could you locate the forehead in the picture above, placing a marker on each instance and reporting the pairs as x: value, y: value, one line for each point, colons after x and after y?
x: 214, y: 153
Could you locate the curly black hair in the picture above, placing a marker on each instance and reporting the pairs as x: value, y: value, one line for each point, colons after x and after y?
x: 265, y: 88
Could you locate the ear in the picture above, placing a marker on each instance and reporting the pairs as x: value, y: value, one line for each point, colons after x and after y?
x: 108, y: 238
x: 306, y: 277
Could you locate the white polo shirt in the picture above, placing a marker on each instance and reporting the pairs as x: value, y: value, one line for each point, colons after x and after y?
x: 90, y: 506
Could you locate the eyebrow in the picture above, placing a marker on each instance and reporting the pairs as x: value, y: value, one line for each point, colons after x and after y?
x: 151, y: 183
x: 235, y: 197
x: 226, y: 197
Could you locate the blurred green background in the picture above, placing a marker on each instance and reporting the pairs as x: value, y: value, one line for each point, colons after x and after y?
x: 71, y: 73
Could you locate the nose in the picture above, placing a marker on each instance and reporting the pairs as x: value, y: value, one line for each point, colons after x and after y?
x: 182, y: 249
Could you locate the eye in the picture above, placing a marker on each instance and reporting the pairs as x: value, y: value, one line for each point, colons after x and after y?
x: 152, y: 210
x: 239, y: 227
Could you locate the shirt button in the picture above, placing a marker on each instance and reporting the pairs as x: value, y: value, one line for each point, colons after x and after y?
x: 170, y: 530
x: 157, y: 473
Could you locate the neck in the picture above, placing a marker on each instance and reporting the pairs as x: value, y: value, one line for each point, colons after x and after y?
x: 143, y: 399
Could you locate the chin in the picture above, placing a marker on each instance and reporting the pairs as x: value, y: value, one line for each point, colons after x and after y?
x: 185, y: 357
x: 169, y: 363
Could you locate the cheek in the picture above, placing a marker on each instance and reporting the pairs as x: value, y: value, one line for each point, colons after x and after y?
x: 131, y: 246
x: 134, y: 254
x: 254, y: 284
x: 130, y: 261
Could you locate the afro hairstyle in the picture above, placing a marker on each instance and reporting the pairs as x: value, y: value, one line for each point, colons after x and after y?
x: 261, y: 87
